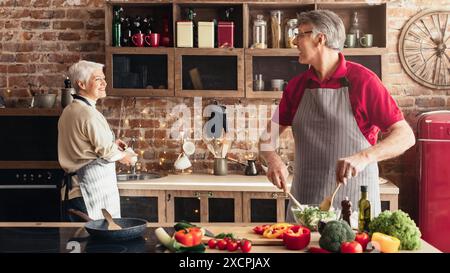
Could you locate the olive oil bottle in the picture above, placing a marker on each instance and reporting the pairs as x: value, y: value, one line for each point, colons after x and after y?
x: 364, y: 214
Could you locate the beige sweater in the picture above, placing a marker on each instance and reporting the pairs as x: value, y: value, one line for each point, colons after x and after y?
x: 83, y: 136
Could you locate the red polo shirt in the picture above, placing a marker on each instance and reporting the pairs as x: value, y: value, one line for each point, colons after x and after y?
x: 373, y: 107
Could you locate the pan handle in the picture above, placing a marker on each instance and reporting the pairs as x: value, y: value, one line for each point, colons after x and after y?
x: 80, y: 214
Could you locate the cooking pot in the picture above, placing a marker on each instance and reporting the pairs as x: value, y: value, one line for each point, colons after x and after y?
x: 131, y: 227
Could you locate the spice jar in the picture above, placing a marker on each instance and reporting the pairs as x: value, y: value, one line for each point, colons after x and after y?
x: 290, y: 33
x: 275, y: 27
x: 259, y: 32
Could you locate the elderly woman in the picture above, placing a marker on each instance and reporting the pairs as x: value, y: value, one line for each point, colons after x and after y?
x: 336, y: 109
x: 87, y: 150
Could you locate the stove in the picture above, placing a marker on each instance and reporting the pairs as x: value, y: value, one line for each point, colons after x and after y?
x: 71, y: 240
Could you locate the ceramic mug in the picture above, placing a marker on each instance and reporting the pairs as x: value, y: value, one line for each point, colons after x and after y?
x: 277, y: 84
x: 350, y: 40
x: 152, y: 39
x: 138, y: 39
x: 366, y: 40
x: 182, y: 162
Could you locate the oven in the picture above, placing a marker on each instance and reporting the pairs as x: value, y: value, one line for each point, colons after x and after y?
x: 30, y: 176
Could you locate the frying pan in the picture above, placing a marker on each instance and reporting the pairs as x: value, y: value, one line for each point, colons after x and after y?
x: 131, y: 227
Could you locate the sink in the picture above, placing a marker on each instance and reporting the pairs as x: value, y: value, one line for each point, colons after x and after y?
x: 138, y: 176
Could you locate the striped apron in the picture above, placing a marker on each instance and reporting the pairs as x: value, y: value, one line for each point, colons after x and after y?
x: 325, y: 130
x: 98, y: 185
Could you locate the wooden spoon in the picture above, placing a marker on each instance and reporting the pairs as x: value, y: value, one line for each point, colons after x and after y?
x: 327, y: 202
x: 294, y: 200
x: 111, y: 224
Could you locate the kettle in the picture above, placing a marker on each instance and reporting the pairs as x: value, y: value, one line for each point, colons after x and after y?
x: 251, y: 167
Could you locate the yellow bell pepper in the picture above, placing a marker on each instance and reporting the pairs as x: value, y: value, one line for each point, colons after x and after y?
x: 276, y: 231
x: 385, y: 243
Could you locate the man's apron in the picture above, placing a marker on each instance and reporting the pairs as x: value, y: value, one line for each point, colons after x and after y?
x: 98, y: 184
x: 325, y: 130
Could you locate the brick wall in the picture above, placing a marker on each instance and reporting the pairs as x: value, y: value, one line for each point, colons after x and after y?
x: 41, y: 38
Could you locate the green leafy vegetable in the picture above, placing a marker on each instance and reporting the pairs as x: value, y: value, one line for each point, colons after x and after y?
x: 310, y: 216
x: 397, y: 224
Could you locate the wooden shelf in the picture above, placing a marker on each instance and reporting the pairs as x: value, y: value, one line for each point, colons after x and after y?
x: 372, y: 19
x: 30, y: 111
x: 29, y: 165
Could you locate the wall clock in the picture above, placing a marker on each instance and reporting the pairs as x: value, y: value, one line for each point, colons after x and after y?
x: 424, y: 48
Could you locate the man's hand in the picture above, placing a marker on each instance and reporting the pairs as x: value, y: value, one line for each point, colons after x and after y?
x: 122, y: 145
x: 349, y: 167
x: 127, y: 159
x: 277, y: 172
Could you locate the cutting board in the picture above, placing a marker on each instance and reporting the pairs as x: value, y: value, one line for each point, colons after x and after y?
x: 241, y: 233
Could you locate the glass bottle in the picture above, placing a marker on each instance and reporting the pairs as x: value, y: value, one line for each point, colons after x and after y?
x: 117, y: 30
x: 290, y: 33
x: 364, y: 214
x: 354, y: 29
x: 275, y: 28
x: 259, y: 32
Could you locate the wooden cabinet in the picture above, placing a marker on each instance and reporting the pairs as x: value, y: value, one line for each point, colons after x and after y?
x: 264, y: 207
x: 204, y: 206
x: 221, y: 72
x: 145, y: 204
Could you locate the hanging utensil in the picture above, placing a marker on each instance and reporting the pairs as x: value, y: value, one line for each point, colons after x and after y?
x: 327, y: 202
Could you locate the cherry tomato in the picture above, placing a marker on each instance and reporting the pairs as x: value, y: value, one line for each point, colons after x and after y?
x: 222, y: 244
x: 246, y: 246
x: 363, y: 238
x: 232, y: 246
x: 212, y: 243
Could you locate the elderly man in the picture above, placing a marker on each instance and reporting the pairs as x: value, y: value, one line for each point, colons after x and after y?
x: 86, y: 147
x: 336, y: 109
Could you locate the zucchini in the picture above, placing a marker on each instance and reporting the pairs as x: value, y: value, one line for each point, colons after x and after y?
x: 167, y: 241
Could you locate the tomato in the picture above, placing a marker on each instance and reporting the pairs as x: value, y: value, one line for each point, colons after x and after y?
x: 246, y: 246
x: 260, y: 229
x: 363, y: 238
x: 232, y: 246
x: 351, y: 247
x: 222, y: 244
x: 189, y: 236
x: 212, y: 243
x: 296, y: 237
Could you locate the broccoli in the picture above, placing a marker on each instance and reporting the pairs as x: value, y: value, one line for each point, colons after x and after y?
x: 334, y: 234
x: 397, y: 224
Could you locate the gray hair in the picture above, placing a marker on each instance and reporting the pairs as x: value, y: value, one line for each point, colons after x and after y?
x: 82, y: 71
x: 328, y: 23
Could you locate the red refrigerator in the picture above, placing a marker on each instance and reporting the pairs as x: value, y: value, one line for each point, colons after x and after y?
x: 434, y: 187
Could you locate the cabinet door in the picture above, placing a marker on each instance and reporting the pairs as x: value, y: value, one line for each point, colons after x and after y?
x: 185, y: 205
x: 148, y: 205
x: 224, y: 206
x: 264, y: 207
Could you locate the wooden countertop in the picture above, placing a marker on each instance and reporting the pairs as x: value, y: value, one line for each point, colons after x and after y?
x: 241, y: 230
x: 205, y: 182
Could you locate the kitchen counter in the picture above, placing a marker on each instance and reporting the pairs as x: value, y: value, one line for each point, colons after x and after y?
x: 205, y: 182
x: 72, y: 237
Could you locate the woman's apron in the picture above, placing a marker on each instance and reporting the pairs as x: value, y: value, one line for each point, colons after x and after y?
x: 325, y: 130
x: 98, y: 184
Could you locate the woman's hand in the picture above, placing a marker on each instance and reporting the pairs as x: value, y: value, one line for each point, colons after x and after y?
x: 277, y: 172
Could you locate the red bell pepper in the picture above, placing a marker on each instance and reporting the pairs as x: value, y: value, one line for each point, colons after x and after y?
x: 314, y: 249
x: 296, y: 237
x: 189, y: 236
x: 260, y: 229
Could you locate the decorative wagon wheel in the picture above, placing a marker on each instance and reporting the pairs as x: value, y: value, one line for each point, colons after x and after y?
x: 424, y: 48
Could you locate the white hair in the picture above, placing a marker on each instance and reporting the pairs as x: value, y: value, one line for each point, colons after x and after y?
x: 328, y: 23
x: 82, y: 71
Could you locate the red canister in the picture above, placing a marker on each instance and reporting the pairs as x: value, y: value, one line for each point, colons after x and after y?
x: 225, y: 36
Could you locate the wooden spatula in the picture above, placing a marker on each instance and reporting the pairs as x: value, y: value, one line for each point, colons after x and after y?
x: 111, y: 224
x: 294, y: 200
x: 327, y: 203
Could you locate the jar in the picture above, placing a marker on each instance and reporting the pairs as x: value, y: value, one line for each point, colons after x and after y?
x: 290, y: 33
x: 259, y: 32
x: 275, y: 27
